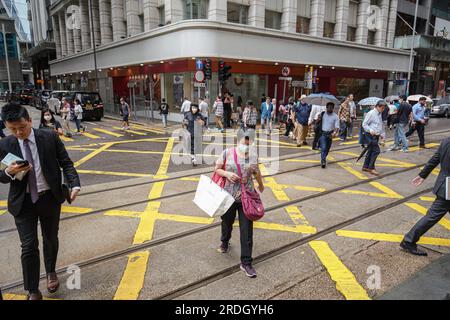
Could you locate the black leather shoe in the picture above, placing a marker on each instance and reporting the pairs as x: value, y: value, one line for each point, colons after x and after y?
x: 34, y: 296
x: 412, y: 248
x: 324, y: 165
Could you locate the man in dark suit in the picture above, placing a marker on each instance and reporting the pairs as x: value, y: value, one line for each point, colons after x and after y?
x: 39, y: 195
x: 440, y: 206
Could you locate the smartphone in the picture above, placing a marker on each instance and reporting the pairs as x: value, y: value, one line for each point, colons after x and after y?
x: 22, y: 163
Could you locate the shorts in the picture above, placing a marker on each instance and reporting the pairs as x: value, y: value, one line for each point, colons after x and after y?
x: 125, y: 118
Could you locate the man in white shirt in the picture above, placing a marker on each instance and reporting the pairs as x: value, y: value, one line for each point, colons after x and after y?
x: 329, y: 127
x: 352, y: 106
x: 186, y: 106
x: 204, y: 110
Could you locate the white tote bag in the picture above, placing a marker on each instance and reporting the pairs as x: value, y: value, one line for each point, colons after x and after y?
x: 211, y: 198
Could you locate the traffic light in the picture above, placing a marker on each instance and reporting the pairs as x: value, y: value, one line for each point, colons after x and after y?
x: 208, y: 69
x: 224, y: 71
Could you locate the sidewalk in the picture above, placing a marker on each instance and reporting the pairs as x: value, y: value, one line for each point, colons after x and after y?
x: 430, y: 283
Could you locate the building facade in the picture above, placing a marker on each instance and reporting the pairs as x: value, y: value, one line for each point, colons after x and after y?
x: 150, y: 48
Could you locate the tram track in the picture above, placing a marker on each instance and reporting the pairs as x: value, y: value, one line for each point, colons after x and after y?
x: 192, y: 191
x: 263, y: 257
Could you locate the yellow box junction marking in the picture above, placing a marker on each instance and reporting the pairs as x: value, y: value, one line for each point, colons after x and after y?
x: 108, y: 132
x: 164, y: 166
x: 389, y: 237
x: 119, y: 174
x: 66, y: 139
x: 90, y: 135
x: 92, y: 154
x: 428, y: 199
x: 386, y: 192
x: 2, y: 212
x: 346, y: 282
x: 131, y: 131
x: 422, y: 210
x: 11, y: 297
x: 133, y: 278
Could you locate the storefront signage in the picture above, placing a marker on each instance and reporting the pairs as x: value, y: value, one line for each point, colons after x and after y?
x: 297, y: 84
x: 285, y: 78
x: 430, y: 68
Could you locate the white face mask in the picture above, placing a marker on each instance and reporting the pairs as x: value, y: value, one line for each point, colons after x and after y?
x: 244, y: 148
x: 48, y: 118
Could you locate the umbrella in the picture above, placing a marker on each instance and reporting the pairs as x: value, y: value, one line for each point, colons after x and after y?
x: 392, y: 98
x: 371, y: 101
x: 321, y: 99
x: 417, y: 97
x: 363, y: 153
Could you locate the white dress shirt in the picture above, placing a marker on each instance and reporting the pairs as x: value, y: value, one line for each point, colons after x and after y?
x: 42, y: 184
x: 373, y: 122
x: 186, y: 106
x: 315, y: 112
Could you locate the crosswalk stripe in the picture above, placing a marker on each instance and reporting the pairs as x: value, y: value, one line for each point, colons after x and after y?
x: 90, y: 135
x: 108, y: 132
x: 147, y: 129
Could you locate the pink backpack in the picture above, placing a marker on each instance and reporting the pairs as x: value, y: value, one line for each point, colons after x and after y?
x: 251, y: 201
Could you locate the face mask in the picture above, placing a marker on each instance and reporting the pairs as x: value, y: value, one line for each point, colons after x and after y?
x: 244, y: 148
x: 48, y: 118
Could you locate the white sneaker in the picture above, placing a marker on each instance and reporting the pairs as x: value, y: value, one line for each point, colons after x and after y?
x: 123, y: 128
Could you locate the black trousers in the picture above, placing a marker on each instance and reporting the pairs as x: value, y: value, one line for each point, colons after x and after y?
x: 373, y: 151
x: 47, y: 211
x: 246, y: 230
x: 317, y: 134
x: 420, y: 127
x: 437, y: 211
x: 289, y: 127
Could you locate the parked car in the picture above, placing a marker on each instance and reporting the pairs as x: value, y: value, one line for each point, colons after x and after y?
x: 91, y: 102
x: 25, y: 96
x: 441, y: 107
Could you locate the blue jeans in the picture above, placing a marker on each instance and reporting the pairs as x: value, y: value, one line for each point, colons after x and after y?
x: 373, y: 151
x: 350, y: 128
x: 343, y: 130
x: 78, y: 124
x: 164, y: 119
x: 400, y: 136
x: 325, y: 142
x: 362, y: 137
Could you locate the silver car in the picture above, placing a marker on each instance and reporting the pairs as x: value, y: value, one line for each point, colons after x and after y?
x: 441, y: 108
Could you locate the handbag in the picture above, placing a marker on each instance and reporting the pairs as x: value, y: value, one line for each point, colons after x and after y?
x: 212, y: 199
x: 251, y: 201
x: 219, y: 180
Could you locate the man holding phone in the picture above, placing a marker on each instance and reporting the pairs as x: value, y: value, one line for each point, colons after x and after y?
x: 39, y: 195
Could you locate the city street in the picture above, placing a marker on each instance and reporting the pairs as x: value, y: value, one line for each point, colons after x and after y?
x: 136, y: 234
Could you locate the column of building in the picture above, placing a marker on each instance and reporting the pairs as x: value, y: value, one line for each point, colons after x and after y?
x: 257, y: 13
x: 380, y: 35
x: 174, y: 11
x: 317, y: 18
x: 340, y: 29
x: 151, y: 14
x: 56, y: 36
x: 133, y: 23
x: 96, y: 23
x: 392, y: 23
x: 85, y: 25
x: 362, y: 30
x: 105, y: 21
x: 68, y: 25
x: 119, y: 26
x: 62, y: 32
x: 76, y: 26
x: 217, y: 10
x: 289, y: 16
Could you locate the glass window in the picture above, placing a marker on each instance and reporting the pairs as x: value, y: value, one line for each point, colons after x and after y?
x: 11, y: 44
x: 303, y: 25
x: 304, y: 8
x: 371, y: 37
x: 353, y: 13
x: 351, y: 34
x: 162, y: 15
x: 274, y: 5
x: 237, y: 13
x: 328, y: 30
x: 330, y: 11
x: 196, y: 9
x: 273, y: 20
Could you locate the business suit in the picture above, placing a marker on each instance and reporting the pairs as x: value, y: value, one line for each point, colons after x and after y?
x: 52, y: 156
x: 440, y: 206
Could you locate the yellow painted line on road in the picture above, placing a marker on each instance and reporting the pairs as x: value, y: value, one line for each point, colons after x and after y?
x: 123, y: 213
x: 157, y: 131
x: 131, y: 131
x: 279, y: 227
x: 350, y: 143
x: 184, y: 218
x: 386, y: 190
x: 146, y: 226
x: 370, y: 194
x: 297, y: 216
x: 429, y: 199
x: 14, y: 297
x: 164, y: 166
x: 119, y: 174
x: 422, y: 210
x: 429, y: 145
x: 303, y: 188
x: 354, y: 172
x: 400, y: 163
x: 90, y: 135
x: 3, y: 212
x: 277, y: 189
x: 108, y: 132
x: 346, y: 282
x: 66, y: 139
x: 193, y: 179
x: 133, y: 278
x: 79, y: 210
x: 303, y: 161
x: 3, y: 203
x: 92, y: 154
x: 389, y: 237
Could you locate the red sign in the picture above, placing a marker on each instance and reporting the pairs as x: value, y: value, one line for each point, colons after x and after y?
x: 199, y: 76
x: 286, y: 71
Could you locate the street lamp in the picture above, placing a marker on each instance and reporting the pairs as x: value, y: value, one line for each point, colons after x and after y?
x: 412, y: 49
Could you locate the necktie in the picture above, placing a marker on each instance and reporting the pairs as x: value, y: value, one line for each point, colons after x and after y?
x: 32, y: 181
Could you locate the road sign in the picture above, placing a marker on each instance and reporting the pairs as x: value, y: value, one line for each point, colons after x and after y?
x: 286, y: 72
x: 199, y: 85
x: 198, y: 64
x: 298, y: 84
x: 285, y: 78
x: 199, y: 76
